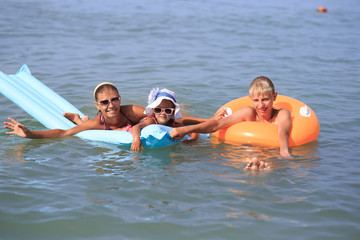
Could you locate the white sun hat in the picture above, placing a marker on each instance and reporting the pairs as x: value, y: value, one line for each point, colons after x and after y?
x: 156, y: 96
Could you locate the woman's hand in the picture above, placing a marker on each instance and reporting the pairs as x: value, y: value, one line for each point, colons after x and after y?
x: 17, y: 128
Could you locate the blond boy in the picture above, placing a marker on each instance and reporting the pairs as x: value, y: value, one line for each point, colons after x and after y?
x: 262, y: 94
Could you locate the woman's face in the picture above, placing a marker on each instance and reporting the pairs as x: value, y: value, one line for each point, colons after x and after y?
x: 108, y: 102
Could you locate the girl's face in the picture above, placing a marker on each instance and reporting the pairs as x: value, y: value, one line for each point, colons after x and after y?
x: 108, y: 102
x: 164, y: 112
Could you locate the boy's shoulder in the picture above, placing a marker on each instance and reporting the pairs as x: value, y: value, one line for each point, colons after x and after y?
x: 283, y: 111
x: 283, y: 114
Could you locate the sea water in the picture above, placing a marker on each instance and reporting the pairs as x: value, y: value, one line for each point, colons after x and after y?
x: 208, y: 52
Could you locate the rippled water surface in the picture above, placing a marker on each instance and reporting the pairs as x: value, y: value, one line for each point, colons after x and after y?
x: 207, y: 52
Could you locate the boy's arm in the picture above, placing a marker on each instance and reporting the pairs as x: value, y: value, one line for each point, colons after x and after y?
x: 188, y: 120
x: 284, y: 127
x: 193, y: 136
x: 212, y: 125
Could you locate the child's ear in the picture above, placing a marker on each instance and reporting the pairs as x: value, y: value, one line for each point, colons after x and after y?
x: 275, y: 95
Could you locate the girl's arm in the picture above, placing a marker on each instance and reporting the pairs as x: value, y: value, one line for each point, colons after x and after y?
x: 135, y: 130
x: 21, y: 131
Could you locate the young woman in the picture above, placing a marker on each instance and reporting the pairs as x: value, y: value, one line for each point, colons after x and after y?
x: 111, y: 116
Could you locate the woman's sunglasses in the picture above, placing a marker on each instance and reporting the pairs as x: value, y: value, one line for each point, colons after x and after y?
x: 167, y: 111
x: 105, y: 103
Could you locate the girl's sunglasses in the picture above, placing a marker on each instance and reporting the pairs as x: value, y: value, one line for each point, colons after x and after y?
x: 105, y: 103
x: 167, y: 111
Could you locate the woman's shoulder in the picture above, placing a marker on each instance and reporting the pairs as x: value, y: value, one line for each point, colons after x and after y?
x: 134, y: 112
x: 132, y: 108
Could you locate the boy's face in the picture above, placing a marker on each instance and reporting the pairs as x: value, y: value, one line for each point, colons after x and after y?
x: 263, y: 103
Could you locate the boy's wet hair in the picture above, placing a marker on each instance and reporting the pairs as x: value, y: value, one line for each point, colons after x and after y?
x: 261, y: 85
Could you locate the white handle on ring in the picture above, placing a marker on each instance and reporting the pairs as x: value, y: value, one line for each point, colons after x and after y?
x: 228, y: 112
x: 305, y: 111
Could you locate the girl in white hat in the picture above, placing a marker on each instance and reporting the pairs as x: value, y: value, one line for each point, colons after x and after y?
x: 162, y: 109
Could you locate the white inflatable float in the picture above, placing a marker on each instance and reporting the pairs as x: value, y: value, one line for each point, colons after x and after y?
x: 47, y: 107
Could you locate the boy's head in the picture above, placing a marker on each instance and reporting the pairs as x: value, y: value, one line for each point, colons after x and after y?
x: 260, y: 86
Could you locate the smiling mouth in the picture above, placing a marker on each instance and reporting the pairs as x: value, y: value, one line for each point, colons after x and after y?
x: 263, y: 110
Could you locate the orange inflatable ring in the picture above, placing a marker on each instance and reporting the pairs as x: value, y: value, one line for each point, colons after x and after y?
x: 305, y: 124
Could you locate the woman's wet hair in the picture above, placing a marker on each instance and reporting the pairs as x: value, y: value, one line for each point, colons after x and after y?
x: 104, y: 87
